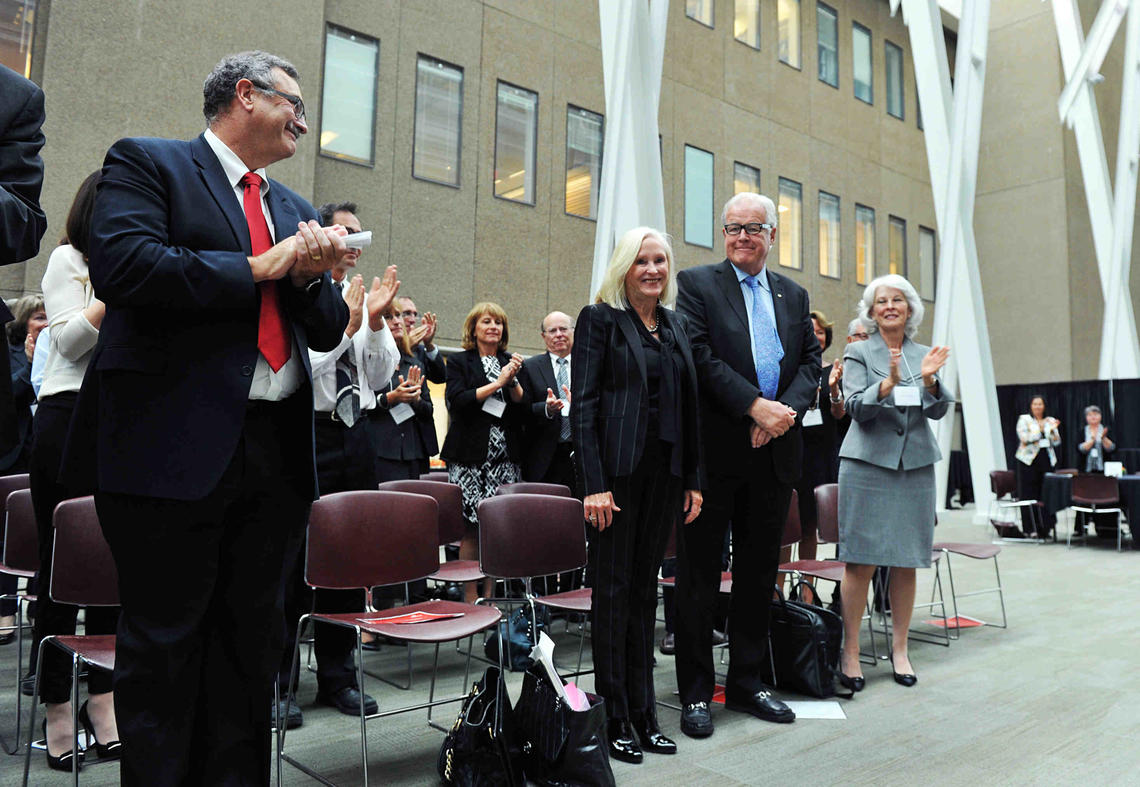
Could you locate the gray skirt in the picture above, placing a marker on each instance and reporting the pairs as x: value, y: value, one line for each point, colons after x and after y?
x: 886, y: 517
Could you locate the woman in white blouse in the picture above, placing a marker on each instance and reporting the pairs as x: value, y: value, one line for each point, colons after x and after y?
x: 1038, y: 436
x: 74, y: 316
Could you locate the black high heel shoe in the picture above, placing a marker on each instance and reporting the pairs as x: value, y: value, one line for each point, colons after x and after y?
x: 105, y: 751
x: 855, y: 684
x: 63, y: 761
x: 907, y: 679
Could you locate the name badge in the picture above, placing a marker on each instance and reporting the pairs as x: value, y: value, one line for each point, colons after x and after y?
x: 813, y: 417
x: 1043, y: 442
x: 402, y: 412
x: 495, y: 406
x: 565, y: 408
x: 907, y: 396
x: 1094, y: 453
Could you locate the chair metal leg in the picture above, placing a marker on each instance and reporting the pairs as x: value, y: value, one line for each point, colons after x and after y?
x: 32, y: 710
x: 74, y: 719
x: 21, y: 601
x: 363, y: 715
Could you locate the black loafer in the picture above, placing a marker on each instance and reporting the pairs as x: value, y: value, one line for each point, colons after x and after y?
x: 761, y: 705
x: 855, y: 684
x: 347, y: 701
x: 696, y: 721
x: 622, y: 744
x: 668, y: 645
x: 651, y: 738
x: 290, y: 712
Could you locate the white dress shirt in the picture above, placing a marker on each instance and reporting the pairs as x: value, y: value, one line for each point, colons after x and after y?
x: 558, y: 391
x: 377, y: 359
x: 267, y: 384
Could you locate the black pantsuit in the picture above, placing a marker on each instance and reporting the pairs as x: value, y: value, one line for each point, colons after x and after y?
x: 756, y: 512
x: 1030, y: 479
x: 344, y: 462
x: 193, y: 676
x: 51, y: 425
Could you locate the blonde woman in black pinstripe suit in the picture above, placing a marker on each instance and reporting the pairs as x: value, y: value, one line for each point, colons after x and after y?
x: 634, y: 420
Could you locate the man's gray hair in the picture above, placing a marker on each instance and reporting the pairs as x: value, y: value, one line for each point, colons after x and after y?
x: 1092, y: 408
x: 855, y: 326
x: 770, y: 212
x: 256, y: 66
x: 915, y: 310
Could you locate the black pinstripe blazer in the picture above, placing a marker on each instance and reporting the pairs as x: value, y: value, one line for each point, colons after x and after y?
x: 610, y: 408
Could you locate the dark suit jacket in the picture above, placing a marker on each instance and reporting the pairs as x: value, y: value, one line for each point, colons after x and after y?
x: 710, y: 297
x: 610, y: 410
x: 415, y: 437
x: 542, y: 433
x: 434, y: 369
x: 469, y: 427
x: 168, y: 384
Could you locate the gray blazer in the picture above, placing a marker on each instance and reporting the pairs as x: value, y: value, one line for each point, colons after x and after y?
x: 881, y: 432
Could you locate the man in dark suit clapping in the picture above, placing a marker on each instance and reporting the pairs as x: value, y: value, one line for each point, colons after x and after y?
x: 758, y: 363
x: 544, y: 378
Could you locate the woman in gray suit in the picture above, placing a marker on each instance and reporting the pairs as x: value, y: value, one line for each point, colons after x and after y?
x: 886, y: 465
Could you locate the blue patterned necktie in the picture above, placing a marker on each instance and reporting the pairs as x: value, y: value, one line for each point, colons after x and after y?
x: 767, y: 347
x: 563, y: 379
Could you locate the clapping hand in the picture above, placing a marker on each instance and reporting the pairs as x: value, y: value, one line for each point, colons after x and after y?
x: 507, y: 375
x: 380, y: 297
x: 932, y: 362
x: 836, y: 375
x: 553, y: 403
x: 354, y: 297
x: 408, y: 390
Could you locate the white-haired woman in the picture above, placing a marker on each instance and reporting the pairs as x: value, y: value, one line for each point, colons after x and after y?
x: 636, y: 446
x: 886, y: 466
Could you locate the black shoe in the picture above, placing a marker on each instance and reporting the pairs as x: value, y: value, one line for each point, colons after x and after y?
x: 651, y: 738
x: 668, y: 645
x: 372, y: 645
x: 696, y: 721
x: 622, y: 744
x: 290, y: 711
x: 855, y: 684
x: 347, y: 701
x: 28, y: 685
x: 112, y: 750
x: 761, y: 705
x: 7, y: 638
x: 908, y: 679
x: 719, y: 637
x: 64, y: 761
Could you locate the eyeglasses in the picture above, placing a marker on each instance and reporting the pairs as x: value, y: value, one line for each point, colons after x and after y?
x: 410, y: 313
x: 559, y: 329
x: 752, y: 228
x: 298, y: 104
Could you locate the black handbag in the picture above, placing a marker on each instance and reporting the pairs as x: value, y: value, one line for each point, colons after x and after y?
x: 520, y: 637
x: 805, y: 642
x: 561, y: 746
x: 481, y: 748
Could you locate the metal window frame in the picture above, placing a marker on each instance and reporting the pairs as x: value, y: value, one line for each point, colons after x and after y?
x: 420, y: 56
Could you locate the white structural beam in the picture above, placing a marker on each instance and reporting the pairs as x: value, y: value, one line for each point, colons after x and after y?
x: 631, y: 192
x: 952, y: 129
x: 1110, y: 215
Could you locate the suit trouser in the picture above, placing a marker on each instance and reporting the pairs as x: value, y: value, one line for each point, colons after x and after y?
x: 624, y: 559
x: 51, y: 426
x: 201, y: 587
x: 344, y: 463
x: 755, y: 503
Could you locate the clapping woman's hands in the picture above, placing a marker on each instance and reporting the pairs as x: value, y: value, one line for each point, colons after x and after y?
x: 932, y: 362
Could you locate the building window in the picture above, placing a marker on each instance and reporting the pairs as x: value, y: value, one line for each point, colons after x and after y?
x: 864, y: 244
x: 790, y: 208
x: 746, y: 27
x: 861, y: 68
x: 828, y: 235
x: 439, y: 115
x: 927, y: 264
x: 584, y: 135
x: 745, y: 178
x: 894, y: 60
x: 700, y: 10
x: 348, y: 95
x: 516, y: 130
x: 896, y: 245
x: 788, y: 24
x: 827, y: 34
x: 17, y: 28
x: 698, y: 197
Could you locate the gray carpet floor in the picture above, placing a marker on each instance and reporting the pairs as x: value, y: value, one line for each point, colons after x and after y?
x: 1050, y: 700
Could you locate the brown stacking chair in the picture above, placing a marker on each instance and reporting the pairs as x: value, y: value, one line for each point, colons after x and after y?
x: 1094, y: 494
x: 21, y: 560
x: 512, y: 547
x: 534, y: 488
x: 1003, y: 484
x: 82, y: 573
x: 435, y: 475
x: 974, y: 552
x: 369, y: 538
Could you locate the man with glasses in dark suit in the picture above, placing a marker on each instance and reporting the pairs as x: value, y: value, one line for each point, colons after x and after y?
x: 758, y: 362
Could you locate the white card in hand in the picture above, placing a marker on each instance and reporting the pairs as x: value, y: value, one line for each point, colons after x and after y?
x: 402, y: 412
x: 813, y: 417
x: 907, y: 396
x: 358, y: 240
x: 495, y: 406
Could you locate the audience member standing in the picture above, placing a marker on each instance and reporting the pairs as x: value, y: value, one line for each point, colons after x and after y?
x: 546, y: 381
x: 886, y: 471
x: 421, y: 335
x: 1095, y: 443
x: 22, y: 221
x: 758, y: 363
x: 1038, y: 436
x: 402, y: 426
x: 343, y: 381
x: 487, y: 409
x: 635, y: 426
x: 200, y: 392
x: 29, y: 319
x: 75, y: 316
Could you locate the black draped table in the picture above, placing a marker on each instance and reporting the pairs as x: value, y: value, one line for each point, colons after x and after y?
x: 1057, y: 495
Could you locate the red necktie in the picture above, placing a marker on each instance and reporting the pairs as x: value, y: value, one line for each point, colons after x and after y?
x: 272, y: 332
